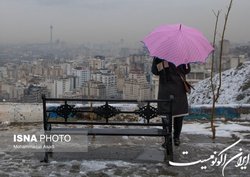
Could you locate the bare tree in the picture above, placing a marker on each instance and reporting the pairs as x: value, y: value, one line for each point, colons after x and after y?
x: 211, y: 75
x: 216, y: 87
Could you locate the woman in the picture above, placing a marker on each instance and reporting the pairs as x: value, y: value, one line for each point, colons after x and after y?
x: 170, y: 83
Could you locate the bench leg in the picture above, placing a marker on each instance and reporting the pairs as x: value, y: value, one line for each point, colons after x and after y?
x: 48, y: 151
x: 46, y: 158
x: 165, y: 126
x: 168, y: 139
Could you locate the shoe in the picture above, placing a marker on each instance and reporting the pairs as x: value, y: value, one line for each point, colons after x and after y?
x: 177, y: 142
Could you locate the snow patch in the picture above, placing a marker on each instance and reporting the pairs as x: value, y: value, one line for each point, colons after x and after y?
x: 235, y: 87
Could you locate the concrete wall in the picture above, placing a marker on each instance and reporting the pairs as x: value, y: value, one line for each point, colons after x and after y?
x: 21, y: 112
x: 32, y: 112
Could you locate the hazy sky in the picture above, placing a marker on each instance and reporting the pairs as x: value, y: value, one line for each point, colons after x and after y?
x: 111, y: 20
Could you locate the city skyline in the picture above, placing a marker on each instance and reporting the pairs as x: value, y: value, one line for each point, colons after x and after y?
x: 102, y: 21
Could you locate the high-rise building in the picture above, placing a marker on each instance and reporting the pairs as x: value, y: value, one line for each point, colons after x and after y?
x: 98, y: 62
x: 61, y: 86
x: 34, y: 92
x: 134, y: 90
x: 155, y: 86
x: 109, y: 80
x: 136, y: 86
x: 82, y: 75
x: 94, y: 89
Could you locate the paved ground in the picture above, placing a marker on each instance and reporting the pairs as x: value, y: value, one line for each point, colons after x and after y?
x: 134, y: 156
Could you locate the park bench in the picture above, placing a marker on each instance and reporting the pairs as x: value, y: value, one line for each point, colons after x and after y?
x: 104, y: 111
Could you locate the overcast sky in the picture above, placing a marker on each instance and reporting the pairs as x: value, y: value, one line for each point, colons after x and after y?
x: 101, y: 21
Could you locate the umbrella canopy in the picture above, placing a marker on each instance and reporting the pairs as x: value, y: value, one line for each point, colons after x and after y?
x: 178, y: 44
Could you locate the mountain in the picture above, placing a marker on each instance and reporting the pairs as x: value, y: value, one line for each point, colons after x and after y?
x: 235, y: 88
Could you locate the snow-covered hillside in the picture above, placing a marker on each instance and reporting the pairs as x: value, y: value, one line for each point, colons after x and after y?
x: 235, y: 87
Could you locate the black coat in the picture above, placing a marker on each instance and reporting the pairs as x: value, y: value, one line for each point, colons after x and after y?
x: 170, y: 83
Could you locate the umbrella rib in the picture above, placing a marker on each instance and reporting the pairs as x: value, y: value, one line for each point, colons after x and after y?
x: 178, y: 46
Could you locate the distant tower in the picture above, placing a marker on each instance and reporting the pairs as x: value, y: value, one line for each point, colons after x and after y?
x: 51, y: 30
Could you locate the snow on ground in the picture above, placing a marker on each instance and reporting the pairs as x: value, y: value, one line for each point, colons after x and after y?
x: 193, y: 135
x: 223, y: 129
x: 235, y: 87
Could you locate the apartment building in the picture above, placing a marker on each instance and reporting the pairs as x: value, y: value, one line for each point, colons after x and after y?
x: 94, y: 89
x: 136, y: 86
x: 33, y: 93
x: 12, y: 91
x: 109, y: 79
x: 134, y: 90
x: 98, y: 62
x: 155, y: 86
x: 82, y: 75
x: 62, y: 86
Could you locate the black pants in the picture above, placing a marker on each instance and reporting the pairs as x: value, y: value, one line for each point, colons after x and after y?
x: 178, y: 121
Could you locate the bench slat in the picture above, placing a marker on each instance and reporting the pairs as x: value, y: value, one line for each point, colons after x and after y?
x: 115, y: 131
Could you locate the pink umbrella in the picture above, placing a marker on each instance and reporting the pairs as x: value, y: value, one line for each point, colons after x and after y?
x: 178, y: 44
